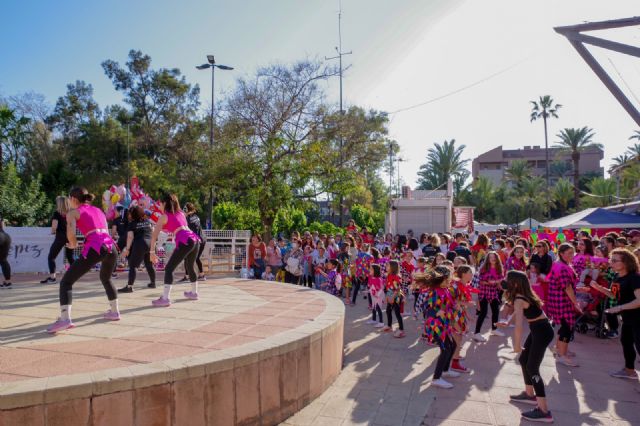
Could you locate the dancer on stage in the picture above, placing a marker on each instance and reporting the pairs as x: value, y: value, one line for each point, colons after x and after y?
x: 137, y: 248
x: 5, y: 244
x: 174, y: 221
x: 98, y: 247
x: 59, y: 229
x: 528, y: 306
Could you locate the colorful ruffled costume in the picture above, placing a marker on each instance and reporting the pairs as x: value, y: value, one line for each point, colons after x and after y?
x: 438, y: 306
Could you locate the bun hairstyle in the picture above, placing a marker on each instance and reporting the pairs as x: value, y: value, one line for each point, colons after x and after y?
x: 171, y: 203
x: 81, y: 194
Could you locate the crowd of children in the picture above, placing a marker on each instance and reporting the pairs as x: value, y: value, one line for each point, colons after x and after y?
x: 433, y: 278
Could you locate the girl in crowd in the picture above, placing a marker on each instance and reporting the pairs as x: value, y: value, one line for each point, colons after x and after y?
x: 333, y: 282
x: 479, y: 250
x: 174, y: 221
x: 406, y: 272
x: 491, y: 276
x: 627, y: 268
x: 293, y: 263
x: 528, y: 306
x: 437, y: 305
x: 562, y: 303
x: 5, y: 244
x: 137, y: 248
x: 344, y: 259
x: 376, y: 289
x: 274, y: 257
x: 395, y: 297
x: 193, y: 221
x: 307, y: 267
x: 256, y: 255
x: 363, y: 264
x: 433, y: 247
x: 98, y: 247
x: 516, y: 260
x: 462, y: 295
x: 415, y: 248
x: 438, y: 259
x: 59, y: 229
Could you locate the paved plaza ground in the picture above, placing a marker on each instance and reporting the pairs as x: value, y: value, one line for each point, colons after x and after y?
x: 386, y: 381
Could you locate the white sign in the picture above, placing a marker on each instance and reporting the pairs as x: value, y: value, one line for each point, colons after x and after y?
x: 30, y: 248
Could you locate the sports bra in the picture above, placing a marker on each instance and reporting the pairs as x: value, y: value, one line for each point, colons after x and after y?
x: 533, y: 311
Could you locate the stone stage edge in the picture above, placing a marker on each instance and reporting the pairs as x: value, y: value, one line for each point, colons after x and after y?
x: 247, y: 352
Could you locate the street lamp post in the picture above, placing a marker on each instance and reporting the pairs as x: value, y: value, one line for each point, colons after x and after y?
x: 212, y: 64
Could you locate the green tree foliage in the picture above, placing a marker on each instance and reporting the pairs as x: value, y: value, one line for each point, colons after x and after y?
x: 228, y: 215
x: 21, y: 203
x: 13, y: 133
x: 444, y: 161
x: 575, y: 141
x: 364, y: 216
x: 288, y: 220
x: 601, y: 192
x: 562, y: 194
x: 517, y: 172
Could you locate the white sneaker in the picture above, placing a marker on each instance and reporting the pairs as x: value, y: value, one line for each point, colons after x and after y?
x: 566, y: 361
x: 370, y: 322
x: 379, y: 325
x: 497, y: 333
x: 452, y: 374
x: 479, y: 337
x: 441, y: 383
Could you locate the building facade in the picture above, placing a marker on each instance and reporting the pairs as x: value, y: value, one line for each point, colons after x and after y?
x: 494, y: 163
x: 422, y: 211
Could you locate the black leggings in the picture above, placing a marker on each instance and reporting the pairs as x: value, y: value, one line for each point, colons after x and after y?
x: 356, y: 288
x: 447, y: 349
x: 58, y: 244
x: 396, y: 309
x: 630, y: 337
x: 565, y: 332
x: 83, y: 265
x: 377, y: 310
x: 484, y: 307
x: 5, y: 244
x: 140, y: 253
x: 541, y: 334
x: 198, y: 261
x: 186, y: 252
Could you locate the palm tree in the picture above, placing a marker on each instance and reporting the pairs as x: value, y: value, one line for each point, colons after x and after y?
x: 444, y: 161
x: 483, y: 197
x: 562, y: 193
x: 601, y: 192
x: 634, y: 150
x: 517, y: 171
x: 575, y: 141
x: 559, y: 168
x: 631, y: 178
x: 545, y: 108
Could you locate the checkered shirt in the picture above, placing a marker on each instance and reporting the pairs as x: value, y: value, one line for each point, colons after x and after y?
x: 559, y: 306
x: 488, y: 291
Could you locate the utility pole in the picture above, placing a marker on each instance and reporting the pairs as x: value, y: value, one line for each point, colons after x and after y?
x: 339, y: 58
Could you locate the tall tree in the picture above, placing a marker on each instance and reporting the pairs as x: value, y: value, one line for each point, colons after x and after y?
x: 444, y: 161
x: 275, y: 118
x: 601, y: 192
x: 13, y: 133
x: 545, y: 108
x: 575, y: 141
x: 75, y: 108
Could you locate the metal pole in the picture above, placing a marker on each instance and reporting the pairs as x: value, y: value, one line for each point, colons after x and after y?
x: 210, y: 208
x: 398, y: 182
x: 341, y: 200
x: 128, y: 161
x: 390, y: 169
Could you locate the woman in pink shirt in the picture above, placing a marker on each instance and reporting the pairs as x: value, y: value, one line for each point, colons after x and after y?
x: 98, y: 247
x: 274, y: 256
x: 174, y: 221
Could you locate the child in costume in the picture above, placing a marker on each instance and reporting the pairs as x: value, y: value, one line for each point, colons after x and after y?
x: 394, y: 295
x: 376, y: 289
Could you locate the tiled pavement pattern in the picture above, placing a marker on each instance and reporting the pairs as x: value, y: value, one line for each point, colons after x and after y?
x: 385, y: 381
x: 230, y: 313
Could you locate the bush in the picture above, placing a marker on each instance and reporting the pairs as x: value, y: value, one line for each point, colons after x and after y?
x: 324, y: 228
x: 289, y: 219
x: 365, y: 217
x: 228, y: 215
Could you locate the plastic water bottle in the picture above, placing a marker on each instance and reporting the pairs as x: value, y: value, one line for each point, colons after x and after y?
x: 243, y: 273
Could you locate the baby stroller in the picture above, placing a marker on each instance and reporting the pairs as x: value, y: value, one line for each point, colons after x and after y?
x: 593, y: 304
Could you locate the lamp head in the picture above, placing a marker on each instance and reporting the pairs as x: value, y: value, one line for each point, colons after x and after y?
x: 224, y: 67
x: 203, y: 66
x: 211, y: 59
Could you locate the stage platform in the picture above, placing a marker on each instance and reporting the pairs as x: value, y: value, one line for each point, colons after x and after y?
x: 247, y: 352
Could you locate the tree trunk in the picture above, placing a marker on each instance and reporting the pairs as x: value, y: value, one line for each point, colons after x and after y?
x: 575, y: 156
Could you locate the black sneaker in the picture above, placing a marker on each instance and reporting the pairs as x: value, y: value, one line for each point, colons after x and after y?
x: 537, y: 415
x: 6, y: 285
x: 151, y: 285
x: 48, y: 280
x: 613, y: 334
x: 524, y: 398
x: 126, y: 289
x: 184, y: 280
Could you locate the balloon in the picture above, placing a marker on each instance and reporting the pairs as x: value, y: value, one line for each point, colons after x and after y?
x: 534, y: 237
x: 587, y: 230
x: 106, y: 200
x: 115, y: 198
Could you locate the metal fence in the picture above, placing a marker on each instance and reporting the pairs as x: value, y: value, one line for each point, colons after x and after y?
x: 225, y: 251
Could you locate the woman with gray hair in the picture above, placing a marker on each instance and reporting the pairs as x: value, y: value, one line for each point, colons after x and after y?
x: 59, y: 229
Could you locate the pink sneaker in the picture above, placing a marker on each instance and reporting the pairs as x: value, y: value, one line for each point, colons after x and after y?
x: 191, y: 295
x: 161, y: 302
x: 111, y: 316
x: 60, y: 325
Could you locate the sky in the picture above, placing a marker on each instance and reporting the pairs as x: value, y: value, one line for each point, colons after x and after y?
x: 405, y: 52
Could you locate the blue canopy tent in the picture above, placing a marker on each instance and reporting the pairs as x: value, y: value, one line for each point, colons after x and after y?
x: 595, y: 218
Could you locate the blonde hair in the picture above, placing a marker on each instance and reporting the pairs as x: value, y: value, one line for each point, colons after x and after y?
x: 435, y: 240
x: 62, y: 205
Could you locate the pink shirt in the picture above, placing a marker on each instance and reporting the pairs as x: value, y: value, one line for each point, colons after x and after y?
x: 93, y: 225
x: 177, y: 225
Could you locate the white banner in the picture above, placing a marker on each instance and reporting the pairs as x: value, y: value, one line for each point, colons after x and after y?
x: 30, y: 248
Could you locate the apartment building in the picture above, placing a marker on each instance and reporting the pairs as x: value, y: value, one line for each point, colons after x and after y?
x: 494, y: 163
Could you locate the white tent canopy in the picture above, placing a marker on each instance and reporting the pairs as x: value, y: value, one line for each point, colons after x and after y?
x: 528, y: 224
